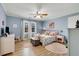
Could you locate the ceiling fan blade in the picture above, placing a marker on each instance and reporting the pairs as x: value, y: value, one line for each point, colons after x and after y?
x: 34, y: 16
x: 44, y: 14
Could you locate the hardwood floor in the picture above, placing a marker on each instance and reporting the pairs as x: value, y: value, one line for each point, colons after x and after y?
x: 25, y: 48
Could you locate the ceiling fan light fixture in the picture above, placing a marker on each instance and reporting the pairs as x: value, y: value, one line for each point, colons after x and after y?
x: 38, y: 17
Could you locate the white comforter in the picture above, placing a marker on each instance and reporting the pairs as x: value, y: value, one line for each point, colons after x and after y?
x: 46, y: 39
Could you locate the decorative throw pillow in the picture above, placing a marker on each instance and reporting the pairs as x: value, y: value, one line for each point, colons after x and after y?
x: 46, y: 33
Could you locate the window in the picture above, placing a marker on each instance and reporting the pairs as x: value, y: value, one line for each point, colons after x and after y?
x: 26, y: 27
x: 33, y: 27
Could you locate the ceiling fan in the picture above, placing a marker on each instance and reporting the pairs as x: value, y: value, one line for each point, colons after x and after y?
x: 40, y: 13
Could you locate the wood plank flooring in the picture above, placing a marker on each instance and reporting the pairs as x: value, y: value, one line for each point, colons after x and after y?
x: 25, y: 48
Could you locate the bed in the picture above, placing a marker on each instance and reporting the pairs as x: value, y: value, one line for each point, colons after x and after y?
x: 46, y: 39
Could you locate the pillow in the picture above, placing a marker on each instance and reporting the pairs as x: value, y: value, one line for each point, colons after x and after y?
x: 46, y: 33
x: 56, y: 33
x: 53, y: 33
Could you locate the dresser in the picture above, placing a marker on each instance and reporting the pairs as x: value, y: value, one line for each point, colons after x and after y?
x: 7, y: 44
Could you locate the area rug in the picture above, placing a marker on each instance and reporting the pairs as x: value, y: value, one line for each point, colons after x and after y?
x: 57, y: 48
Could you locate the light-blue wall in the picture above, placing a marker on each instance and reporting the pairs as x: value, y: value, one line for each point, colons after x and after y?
x: 39, y: 27
x: 2, y: 16
x: 14, y: 20
x: 10, y: 20
x: 60, y: 25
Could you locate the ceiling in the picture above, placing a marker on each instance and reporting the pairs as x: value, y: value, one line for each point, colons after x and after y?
x: 54, y: 10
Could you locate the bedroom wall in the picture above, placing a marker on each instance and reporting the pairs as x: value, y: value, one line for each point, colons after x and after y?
x: 2, y: 18
x: 39, y: 27
x: 16, y: 20
x: 60, y: 24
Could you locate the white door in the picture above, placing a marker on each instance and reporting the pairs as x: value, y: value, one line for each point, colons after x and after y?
x: 33, y: 29
x: 29, y: 29
x: 25, y: 29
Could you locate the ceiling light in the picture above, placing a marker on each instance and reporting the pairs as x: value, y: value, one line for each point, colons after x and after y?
x: 38, y: 17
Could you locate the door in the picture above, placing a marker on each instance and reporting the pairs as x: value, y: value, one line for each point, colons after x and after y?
x: 25, y: 29
x: 33, y: 29
x: 29, y: 29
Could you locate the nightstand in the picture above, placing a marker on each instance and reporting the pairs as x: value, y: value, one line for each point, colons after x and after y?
x: 60, y: 39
